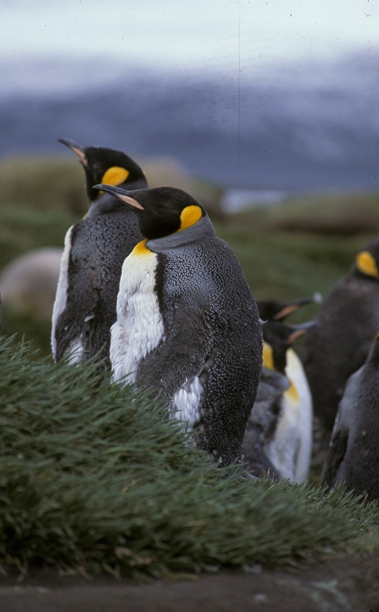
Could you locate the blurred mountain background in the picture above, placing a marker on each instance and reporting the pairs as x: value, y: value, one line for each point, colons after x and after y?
x: 267, y: 111
x: 315, y: 133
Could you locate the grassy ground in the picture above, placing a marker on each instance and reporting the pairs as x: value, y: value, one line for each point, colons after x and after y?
x: 93, y: 478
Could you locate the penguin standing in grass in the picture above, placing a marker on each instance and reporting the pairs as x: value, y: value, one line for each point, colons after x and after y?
x: 347, y: 321
x: 95, y: 248
x: 278, y: 440
x: 353, y: 456
x: 187, y: 323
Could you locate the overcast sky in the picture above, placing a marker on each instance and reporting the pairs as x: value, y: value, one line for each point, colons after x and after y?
x: 221, y: 35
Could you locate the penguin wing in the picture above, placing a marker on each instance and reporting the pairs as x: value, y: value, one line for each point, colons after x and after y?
x: 74, y: 318
x: 80, y: 322
x: 67, y: 317
x: 183, y: 354
x: 336, y: 454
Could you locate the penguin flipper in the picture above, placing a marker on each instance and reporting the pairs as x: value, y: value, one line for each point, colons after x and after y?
x: 182, y: 354
x: 336, y: 454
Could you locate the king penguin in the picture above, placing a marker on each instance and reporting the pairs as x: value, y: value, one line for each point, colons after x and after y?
x: 347, y: 321
x: 187, y: 324
x: 353, y: 456
x: 94, y: 251
x: 278, y: 439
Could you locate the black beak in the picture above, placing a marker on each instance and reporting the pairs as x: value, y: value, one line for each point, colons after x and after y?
x: 76, y: 148
x: 120, y: 193
x: 111, y: 189
x: 71, y: 144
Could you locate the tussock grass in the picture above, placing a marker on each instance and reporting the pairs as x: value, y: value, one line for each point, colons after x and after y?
x: 333, y: 214
x: 43, y: 183
x: 40, y: 198
x: 92, y: 477
x: 37, y: 331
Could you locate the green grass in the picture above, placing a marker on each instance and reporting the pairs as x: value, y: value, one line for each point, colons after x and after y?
x: 35, y: 330
x: 92, y: 477
x: 40, y: 198
x: 43, y: 183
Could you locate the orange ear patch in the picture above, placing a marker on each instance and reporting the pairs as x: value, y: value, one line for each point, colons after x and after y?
x: 367, y: 264
x: 115, y: 176
x: 189, y: 216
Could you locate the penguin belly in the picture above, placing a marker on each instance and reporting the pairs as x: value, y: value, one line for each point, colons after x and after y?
x: 290, y: 449
x: 283, y: 449
x: 296, y: 374
x: 139, y: 329
x: 139, y: 326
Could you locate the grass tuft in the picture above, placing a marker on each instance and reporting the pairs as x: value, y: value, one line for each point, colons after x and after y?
x: 92, y: 477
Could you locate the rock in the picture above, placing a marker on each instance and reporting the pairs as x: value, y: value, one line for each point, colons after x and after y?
x: 28, y: 283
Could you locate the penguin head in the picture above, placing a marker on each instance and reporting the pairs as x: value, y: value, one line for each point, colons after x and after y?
x: 103, y: 165
x: 278, y: 338
x: 367, y: 260
x: 277, y: 310
x: 161, y: 211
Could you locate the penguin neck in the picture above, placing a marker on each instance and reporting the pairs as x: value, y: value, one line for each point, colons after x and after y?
x: 106, y: 204
x: 202, y: 228
x: 269, y: 362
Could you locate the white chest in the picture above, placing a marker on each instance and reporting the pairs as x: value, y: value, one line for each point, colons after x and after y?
x: 186, y: 401
x: 139, y: 326
x: 61, y: 292
x: 290, y: 451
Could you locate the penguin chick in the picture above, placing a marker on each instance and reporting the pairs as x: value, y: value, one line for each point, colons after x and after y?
x: 288, y: 443
x: 187, y: 323
x: 353, y: 456
x: 95, y: 248
x: 347, y: 321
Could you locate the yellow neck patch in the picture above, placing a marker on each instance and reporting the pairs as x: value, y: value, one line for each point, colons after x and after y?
x: 367, y: 264
x: 291, y: 392
x: 268, y: 362
x: 189, y: 216
x: 115, y: 176
x: 268, y: 358
x: 141, y: 248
